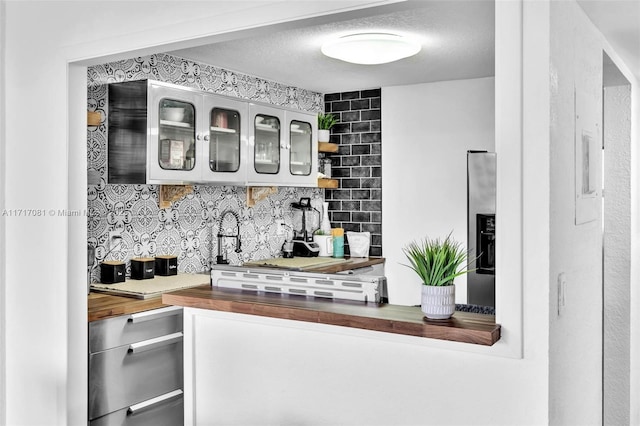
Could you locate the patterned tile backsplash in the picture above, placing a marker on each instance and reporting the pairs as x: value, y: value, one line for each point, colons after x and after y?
x: 188, y: 228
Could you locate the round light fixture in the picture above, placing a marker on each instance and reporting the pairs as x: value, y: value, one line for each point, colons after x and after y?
x: 371, y: 48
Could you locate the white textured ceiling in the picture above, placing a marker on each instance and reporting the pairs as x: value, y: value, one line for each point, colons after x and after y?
x: 457, y: 43
x: 457, y: 39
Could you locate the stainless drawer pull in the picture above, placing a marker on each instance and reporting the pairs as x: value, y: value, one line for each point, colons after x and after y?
x: 146, y: 345
x: 153, y: 401
x: 154, y: 314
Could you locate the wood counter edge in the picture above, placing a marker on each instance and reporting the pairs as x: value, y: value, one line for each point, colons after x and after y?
x: 464, y: 327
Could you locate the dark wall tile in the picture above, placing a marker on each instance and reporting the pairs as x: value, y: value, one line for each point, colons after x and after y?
x: 350, y: 95
x: 341, y: 194
x: 340, y: 172
x: 348, y: 116
x: 370, y: 137
x: 361, y: 217
x: 375, y: 251
x: 361, y: 194
x: 361, y: 172
x: 371, y: 183
x: 340, y: 216
x: 344, y: 149
x: 374, y: 228
x: 353, y: 206
x: 361, y: 149
x: 340, y: 106
x: 351, y: 161
x: 353, y: 227
x: 350, y: 183
x: 360, y: 104
x: 356, y: 205
x: 371, y: 206
x: 351, y: 138
x: 372, y: 114
x: 341, y: 128
x: 370, y: 93
x: 333, y: 205
x: 371, y: 160
x: 362, y: 126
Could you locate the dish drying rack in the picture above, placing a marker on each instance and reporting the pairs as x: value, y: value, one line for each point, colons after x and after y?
x: 363, y: 288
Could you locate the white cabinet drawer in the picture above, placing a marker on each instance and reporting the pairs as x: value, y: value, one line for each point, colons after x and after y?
x: 166, y: 410
x: 126, y: 329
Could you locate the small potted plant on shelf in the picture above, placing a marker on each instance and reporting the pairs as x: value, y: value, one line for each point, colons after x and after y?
x: 437, y: 262
x: 325, y: 123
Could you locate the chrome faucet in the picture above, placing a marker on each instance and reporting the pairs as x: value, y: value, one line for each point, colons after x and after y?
x: 220, y: 258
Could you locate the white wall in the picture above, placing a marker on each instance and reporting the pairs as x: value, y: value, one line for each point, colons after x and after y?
x: 576, y: 249
x: 426, y: 133
x: 250, y: 370
x: 617, y: 253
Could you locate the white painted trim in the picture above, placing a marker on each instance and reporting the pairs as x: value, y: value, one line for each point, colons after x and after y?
x: 3, y: 260
x: 509, y: 199
x: 76, y: 297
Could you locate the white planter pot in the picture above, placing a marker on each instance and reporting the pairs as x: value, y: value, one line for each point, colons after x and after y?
x: 324, y: 135
x: 438, y: 302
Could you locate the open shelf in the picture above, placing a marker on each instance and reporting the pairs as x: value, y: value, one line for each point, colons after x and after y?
x: 327, y: 147
x: 328, y: 183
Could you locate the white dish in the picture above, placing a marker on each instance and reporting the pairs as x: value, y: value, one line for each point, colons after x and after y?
x: 173, y: 114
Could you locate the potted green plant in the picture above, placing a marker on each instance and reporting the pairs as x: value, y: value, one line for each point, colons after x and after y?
x: 325, y: 123
x: 437, y: 262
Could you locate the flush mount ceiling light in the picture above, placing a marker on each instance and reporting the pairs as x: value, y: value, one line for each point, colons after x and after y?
x: 371, y: 48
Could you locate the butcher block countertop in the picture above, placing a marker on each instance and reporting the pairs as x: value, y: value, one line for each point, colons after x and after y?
x: 324, y: 265
x: 102, y: 305
x: 408, y: 320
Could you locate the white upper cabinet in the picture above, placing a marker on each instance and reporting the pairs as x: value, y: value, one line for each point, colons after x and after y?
x: 175, y: 131
x: 225, y: 141
x: 164, y: 134
x: 283, y: 149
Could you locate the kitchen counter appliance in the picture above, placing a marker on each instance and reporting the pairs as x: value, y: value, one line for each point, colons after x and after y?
x: 306, y: 220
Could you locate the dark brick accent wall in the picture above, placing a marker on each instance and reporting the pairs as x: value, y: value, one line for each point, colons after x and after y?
x: 357, y: 203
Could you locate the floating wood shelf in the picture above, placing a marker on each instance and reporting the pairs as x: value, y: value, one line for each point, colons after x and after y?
x: 327, y: 147
x: 327, y: 183
x: 93, y: 118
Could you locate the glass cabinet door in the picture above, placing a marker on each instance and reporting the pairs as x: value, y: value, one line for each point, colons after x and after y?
x: 224, y: 140
x: 266, y: 144
x: 176, y: 135
x: 300, y: 148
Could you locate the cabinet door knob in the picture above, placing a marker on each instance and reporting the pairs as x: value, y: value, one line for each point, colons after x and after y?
x: 199, y: 137
x: 206, y: 138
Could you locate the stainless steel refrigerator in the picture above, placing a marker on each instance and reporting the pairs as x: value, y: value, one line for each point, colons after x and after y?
x: 481, y: 220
